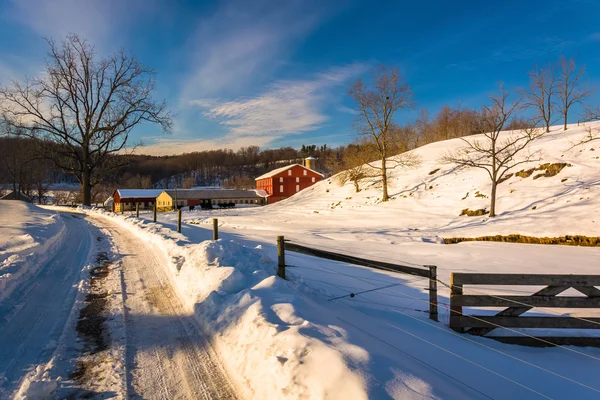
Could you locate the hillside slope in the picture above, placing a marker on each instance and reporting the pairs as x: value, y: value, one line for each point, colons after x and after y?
x: 431, y: 197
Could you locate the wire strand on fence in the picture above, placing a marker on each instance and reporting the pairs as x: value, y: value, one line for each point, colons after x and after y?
x: 391, y: 307
x: 351, y: 254
x: 473, y: 317
x: 365, y: 291
x: 454, y: 334
x: 498, y: 351
x: 364, y: 279
x: 345, y: 288
x: 510, y: 329
x: 417, y: 359
x: 522, y: 303
x: 445, y: 350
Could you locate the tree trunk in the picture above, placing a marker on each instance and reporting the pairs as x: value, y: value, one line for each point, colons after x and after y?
x: 565, y: 121
x: 86, y: 187
x: 493, y: 199
x: 356, y: 186
x: 384, y: 182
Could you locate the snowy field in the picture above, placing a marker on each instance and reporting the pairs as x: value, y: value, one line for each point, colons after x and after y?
x: 304, y: 338
x: 381, y: 344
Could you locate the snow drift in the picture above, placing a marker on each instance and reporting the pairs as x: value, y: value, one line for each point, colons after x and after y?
x: 30, y: 235
x: 271, y: 350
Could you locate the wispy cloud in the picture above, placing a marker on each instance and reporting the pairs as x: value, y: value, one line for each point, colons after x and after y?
x: 97, y: 21
x: 243, y: 43
x: 288, y: 107
x: 168, y: 146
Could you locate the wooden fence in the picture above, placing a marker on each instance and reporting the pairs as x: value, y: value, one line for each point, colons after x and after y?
x: 428, y: 271
x: 512, y: 317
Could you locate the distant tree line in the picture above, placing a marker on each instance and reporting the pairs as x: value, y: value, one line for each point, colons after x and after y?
x: 72, y: 123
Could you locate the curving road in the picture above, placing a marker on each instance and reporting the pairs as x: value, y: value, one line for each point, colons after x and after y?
x: 167, y: 355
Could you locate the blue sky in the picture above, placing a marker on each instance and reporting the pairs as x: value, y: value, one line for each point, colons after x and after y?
x: 276, y: 73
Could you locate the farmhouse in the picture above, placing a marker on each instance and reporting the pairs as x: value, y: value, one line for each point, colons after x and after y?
x: 126, y: 199
x: 207, y: 198
x: 284, y: 182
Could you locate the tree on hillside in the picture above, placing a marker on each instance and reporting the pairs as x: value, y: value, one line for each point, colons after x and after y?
x: 495, y: 154
x: 377, y: 107
x: 570, y: 89
x: 86, y: 104
x: 353, y: 167
x: 540, y: 96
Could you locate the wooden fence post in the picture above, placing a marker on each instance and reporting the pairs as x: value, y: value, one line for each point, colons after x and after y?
x: 215, y: 229
x: 179, y: 220
x: 122, y: 208
x: 281, y: 257
x: 154, y: 212
x: 455, y: 310
x: 433, y: 301
x: 137, y: 210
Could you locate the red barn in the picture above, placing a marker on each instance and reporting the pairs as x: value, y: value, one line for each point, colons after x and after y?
x: 284, y: 182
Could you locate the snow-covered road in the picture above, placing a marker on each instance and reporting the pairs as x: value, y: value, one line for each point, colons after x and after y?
x: 34, y: 316
x: 167, y: 355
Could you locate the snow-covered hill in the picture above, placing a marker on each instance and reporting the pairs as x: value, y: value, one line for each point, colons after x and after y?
x: 427, y: 201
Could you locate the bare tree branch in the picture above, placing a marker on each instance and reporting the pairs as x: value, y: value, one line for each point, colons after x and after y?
x: 495, y: 154
x: 85, y: 105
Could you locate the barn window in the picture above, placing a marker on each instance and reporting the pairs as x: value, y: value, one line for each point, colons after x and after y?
x: 289, y: 172
x: 304, y: 172
x: 281, y: 180
x: 313, y: 179
x: 297, y: 180
x: 281, y: 188
x: 297, y: 188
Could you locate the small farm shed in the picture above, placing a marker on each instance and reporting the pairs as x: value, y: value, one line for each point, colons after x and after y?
x: 12, y: 195
x: 126, y: 199
x: 284, y: 182
x: 207, y: 198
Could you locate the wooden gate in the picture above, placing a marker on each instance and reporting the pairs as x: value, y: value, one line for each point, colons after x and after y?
x: 513, y: 316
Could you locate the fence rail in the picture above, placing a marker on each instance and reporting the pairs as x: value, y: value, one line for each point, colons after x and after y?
x: 296, y: 248
x: 429, y: 271
x: 512, y: 316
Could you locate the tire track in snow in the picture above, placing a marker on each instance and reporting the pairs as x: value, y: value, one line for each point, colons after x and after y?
x: 167, y: 354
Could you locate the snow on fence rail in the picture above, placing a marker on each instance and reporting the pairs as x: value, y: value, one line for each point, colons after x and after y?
x: 429, y: 271
x: 512, y: 317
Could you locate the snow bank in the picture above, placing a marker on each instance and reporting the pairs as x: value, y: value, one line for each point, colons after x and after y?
x: 28, y: 237
x: 259, y: 323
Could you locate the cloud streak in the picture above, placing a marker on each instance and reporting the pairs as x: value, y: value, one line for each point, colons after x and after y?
x: 288, y: 107
x: 242, y: 43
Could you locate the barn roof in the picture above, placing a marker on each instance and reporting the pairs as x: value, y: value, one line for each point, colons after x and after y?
x: 216, y: 193
x: 138, y: 193
x: 282, y: 169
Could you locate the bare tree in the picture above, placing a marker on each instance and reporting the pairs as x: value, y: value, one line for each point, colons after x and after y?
x: 354, y: 168
x: 570, y: 89
x: 16, y: 158
x: 495, y: 154
x: 87, y: 105
x: 378, y: 106
x: 540, y: 96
